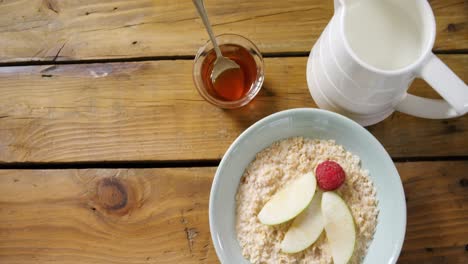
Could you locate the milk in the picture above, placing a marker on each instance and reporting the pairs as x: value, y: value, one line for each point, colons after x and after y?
x: 382, y: 34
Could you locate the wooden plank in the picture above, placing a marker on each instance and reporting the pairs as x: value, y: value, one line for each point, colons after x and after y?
x: 150, y: 111
x: 105, y: 216
x: 109, y: 29
x: 160, y: 215
x: 437, y: 208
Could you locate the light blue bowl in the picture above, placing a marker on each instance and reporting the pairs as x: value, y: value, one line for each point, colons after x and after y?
x: 319, y: 124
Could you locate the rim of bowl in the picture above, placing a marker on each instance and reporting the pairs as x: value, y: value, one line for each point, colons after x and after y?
x: 267, y: 119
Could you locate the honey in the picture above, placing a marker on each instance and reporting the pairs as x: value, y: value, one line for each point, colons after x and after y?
x: 233, y: 84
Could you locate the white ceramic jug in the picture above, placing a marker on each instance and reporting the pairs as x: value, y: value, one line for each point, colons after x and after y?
x: 369, y: 54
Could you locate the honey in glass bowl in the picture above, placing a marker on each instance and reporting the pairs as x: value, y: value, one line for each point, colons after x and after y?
x: 234, y: 88
x: 232, y: 84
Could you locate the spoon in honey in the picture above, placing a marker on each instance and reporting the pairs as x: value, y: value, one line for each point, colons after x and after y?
x: 221, y: 64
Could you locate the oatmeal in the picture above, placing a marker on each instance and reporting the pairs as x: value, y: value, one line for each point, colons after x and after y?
x: 275, y: 167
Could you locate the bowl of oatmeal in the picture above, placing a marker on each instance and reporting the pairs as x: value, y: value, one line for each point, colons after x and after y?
x: 274, y: 153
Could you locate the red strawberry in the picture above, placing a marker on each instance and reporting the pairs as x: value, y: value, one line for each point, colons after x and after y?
x: 330, y: 175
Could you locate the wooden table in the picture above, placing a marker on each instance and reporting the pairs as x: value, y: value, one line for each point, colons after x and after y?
x: 107, y: 152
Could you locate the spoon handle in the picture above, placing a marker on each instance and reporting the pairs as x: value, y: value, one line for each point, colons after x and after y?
x: 202, y: 12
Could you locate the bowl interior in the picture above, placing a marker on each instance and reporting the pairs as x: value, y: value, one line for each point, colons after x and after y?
x: 312, y: 123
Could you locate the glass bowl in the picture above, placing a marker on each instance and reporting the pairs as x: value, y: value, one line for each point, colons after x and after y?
x: 202, y: 55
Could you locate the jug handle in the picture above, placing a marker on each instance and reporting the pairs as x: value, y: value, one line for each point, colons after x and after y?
x: 447, y: 84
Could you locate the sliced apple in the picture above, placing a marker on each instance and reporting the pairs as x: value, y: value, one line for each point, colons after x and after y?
x: 289, y: 201
x: 306, y: 228
x: 339, y: 227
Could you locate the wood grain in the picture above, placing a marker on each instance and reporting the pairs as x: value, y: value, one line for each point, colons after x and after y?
x: 160, y: 215
x: 437, y: 208
x: 105, y: 216
x: 150, y: 111
x: 108, y: 29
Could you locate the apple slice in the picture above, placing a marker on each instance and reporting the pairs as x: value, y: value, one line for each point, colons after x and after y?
x: 289, y: 201
x: 339, y: 227
x: 306, y: 228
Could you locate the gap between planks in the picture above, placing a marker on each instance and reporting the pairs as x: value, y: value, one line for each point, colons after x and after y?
x: 170, y: 164
x: 180, y: 57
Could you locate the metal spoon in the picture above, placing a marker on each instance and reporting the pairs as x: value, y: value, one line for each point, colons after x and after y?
x: 221, y: 63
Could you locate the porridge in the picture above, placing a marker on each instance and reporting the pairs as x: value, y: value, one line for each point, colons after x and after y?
x: 280, y: 164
